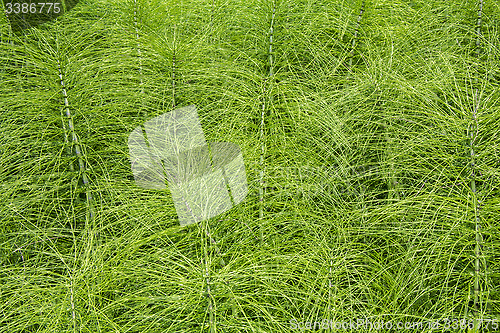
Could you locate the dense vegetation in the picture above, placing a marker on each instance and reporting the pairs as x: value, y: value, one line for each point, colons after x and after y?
x: 371, y: 138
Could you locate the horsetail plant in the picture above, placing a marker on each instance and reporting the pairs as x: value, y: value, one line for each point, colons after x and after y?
x: 356, y: 32
x: 173, y: 68
x: 266, y: 102
x: 336, y: 147
x: 480, y: 268
x: 75, y: 144
x: 136, y: 23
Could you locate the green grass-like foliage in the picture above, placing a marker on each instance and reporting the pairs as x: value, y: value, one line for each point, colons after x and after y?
x: 371, y: 138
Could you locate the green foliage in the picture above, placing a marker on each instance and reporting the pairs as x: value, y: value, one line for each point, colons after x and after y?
x: 381, y: 165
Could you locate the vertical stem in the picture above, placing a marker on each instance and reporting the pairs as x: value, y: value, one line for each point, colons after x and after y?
x: 66, y: 142
x: 473, y: 131
x: 138, y: 45
x: 262, y: 122
x: 137, y: 37
x: 261, y: 172
x: 354, y: 40
x: 330, y: 292
x: 351, y: 54
x: 211, y: 302
x: 73, y: 314
x: 76, y: 144
x: 173, y: 80
x: 271, y: 35
x: 212, y: 39
x: 89, y: 217
x: 392, y: 181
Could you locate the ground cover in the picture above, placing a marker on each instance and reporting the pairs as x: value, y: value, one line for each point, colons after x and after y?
x: 370, y: 136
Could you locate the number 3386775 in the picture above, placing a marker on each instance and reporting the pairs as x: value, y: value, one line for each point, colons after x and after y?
x: 32, y: 8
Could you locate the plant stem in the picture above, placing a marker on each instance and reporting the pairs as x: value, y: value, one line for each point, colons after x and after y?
x: 267, y: 82
x: 207, y: 278
x: 138, y: 46
x: 173, y: 79
x: 76, y: 145
x: 473, y: 132
x: 355, y: 38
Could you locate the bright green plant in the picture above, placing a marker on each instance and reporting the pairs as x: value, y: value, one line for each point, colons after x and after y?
x: 370, y: 137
